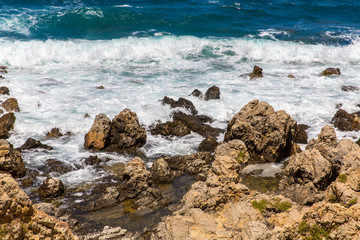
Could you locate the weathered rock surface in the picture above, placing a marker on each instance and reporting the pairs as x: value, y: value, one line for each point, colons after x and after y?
x: 54, y: 133
x: 268, y: 135
x: 3, y: 69
x: 301, y: 135
x: 197, y: 93
x: 4, y: 91
x: 98, y: 136
x: 256, y: 73
x: 208, y: 145
x: 51, y: 188
x: 175, y: 128
x: 55, y: 166
x: 330, y: 71
x: 7, y: 122
x: 10, y: 160
x: 345, y: 121
x: 212, y: 93
x: 181, y: 103
x: 11, y: 105
x: 126, y: 133
x: 32, y: 144
x: 20, y: 220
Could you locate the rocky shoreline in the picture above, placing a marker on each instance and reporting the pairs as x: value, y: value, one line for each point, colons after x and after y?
x: 205, y: 195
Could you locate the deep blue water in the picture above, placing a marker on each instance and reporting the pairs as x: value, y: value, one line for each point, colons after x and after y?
x: 327, y: 22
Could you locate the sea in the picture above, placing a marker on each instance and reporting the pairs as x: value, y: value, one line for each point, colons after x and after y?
x: 58, y: 52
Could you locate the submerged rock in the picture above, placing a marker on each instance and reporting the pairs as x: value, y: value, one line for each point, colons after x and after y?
x: 10, y: 160
x: 32, y: 143
x: 181, y: 103
x: 256, y: 73
x: 175, y: 128
x: 54, y: 133
x: 212, y: 93
x: 11, y: 105
x: 268, y: 135
x: 197, y: 93
x: 330, y: 71
x: 7, y: 122
x: 349, y: 88
x: 98, y: 136
x: 51, y: 188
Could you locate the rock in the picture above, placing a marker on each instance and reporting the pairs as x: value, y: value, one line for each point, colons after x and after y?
x: 136, y: 175
x: 204, y: 118
x: 196, y: 125
x: 32, y: 143
x: 345, y: 121
x: 197, y: 93
x: 301, y: 135
x: 349, y: 88
x: 268, y: 135
x: 51, y: 188
x: 11, y: 105
x: 212, y: 93
x: 257, y: 73
x: 100, y: 87
x: 330, y: 71
x: 3, y: 69
x: 126, y: 133
x: 109, y: 233
x: 208, y: 145
x: 47, y: 208
x: 7, y: 122
x: 93, y: 160
x: 2, y: 77
x: 54, y: 133
x: 98, y: 136
x: 174, y: 128
x: 53, y: 165
x: 10, y: 160
x: 86, y: 115
x: 4, y: 91
x: 181, y: 103
x: 161, y: 172
x: 291, y: 76
x: 235, y: 149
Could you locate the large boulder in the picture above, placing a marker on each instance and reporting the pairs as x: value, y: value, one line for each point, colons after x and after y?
x: 98, y: 136
x: 7, y: 122
x: 11, y: 105
x: 126, y: 133
x: 268, y: 135
x: 10, y: 160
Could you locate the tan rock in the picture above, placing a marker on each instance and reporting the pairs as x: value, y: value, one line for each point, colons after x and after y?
x: 7, y: 122
x: 11, y: 105
x: 10, y: 160
x: 99, y: 134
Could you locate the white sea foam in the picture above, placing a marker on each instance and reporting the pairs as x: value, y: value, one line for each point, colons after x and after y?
x: 56, y: 82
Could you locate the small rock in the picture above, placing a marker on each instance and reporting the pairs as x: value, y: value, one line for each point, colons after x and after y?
x: 11, y: 105
x: 330, y: 71
x: 93, y: 160
x: 212, y: 93
x: 181, y: 102
x: 51, y: 188
x: 53, y: 165
x: 345, y: 121
x: 100, y: 87
x: 291, y: 76
x: 338, y: 106
x: 10, y: 160
x: 349, y: 88
x: 86, y: 115
x: 32, y: 143
x: 48, y: 208
x: 4, y: 91
x: 161, y: 172
x: 208, y: 145
x: 7, y: 122
x: 54, y: 133
x: 98, y: 136
x: 175, y: 128
x: 3, y: 69
x: 197, y: 93
x: 257, y: 73
x: 2, y: 77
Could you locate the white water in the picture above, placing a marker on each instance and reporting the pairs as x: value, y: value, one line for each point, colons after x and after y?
x: 55, y: 84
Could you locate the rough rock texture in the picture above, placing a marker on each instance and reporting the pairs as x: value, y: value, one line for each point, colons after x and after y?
x: 197, y: 93
x: 54, y: 133
x: 212, y: 93
x: 10, y: 160
x: 330, y: 71
x: 345, y: 121
x: 47, y: 208
x: 11, y: 105
x: 109, y: 233
x: 256, y: 73
x: 301, y: 135
x: 99, y: 134
x: 349, y: 88
x: 55, y: 166
x: 235, y: 149
x: 196, y: 125
x: 7, y: 122
x: 32, y: 143
x: 268, y: 135
x: 181, y: 103
x: 126, y: 133
x: 20, y: 220
x: 161, y: 172
x: 51, y: 188
x: 208, y: 145
x: 4, y: 91
x: 175, y: 128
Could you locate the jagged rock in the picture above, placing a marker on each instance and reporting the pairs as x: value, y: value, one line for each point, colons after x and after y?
x: 126, y: 133
x: 98, y: 136
x: 196, y: 125
x: 181, y: 102
x: 256, y: 73
x: 325, y: 143
x: 161, y: 172
x: 345, y: 121
x: 4, y: 91
x: 212, y: 93
x: 53, y: 165
x: 32, y: 143
x: 197, y: 93
x: 330, y: 71
x: 301, y: 135
x: 20, y: 220
x: 100, y: 87
x: 208, y: 145
x: 10, y: 160
x: 54, y: 133
x: 93, y: 160
x: 349, y: 88
x: 51, y: 188
x: 11, y: 105
x: 175, y: 128
x: 268, y: 135
x: 7, y: 122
